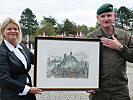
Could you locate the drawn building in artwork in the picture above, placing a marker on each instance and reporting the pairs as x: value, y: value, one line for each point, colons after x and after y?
x: 68, y: 67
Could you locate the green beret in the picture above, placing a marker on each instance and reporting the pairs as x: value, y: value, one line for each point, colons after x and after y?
x: 105, y: 8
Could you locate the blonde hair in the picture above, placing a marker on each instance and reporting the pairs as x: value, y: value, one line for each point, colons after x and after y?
x: 7, y: 21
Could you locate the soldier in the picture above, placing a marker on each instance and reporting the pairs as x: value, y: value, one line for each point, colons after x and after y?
x: 117, y: 48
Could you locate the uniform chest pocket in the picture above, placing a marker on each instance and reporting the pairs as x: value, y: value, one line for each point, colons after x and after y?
x: 122, y: 41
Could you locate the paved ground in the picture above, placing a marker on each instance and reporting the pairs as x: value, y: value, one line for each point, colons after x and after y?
x: 78, y: 95
x: 130, y: 78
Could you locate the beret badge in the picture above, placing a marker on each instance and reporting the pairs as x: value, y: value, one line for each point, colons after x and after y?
x: 111, y: 8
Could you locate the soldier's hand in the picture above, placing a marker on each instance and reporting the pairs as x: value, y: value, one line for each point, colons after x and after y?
x: 111, y: 43
x: 90, y: 91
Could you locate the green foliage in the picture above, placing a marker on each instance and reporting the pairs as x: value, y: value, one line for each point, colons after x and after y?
x: 92, y: 29
x: 49, y: 29
x: 46, y: 28
x: 83, y: 28
x: 49, y: 25
x: 49, y: 20
x: 123, y: 16
x: 69, y: 27
x: 59, y: 29
x: 28, y: 22
x: 38, y: 31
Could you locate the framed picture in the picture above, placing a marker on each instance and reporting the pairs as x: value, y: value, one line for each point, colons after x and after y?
x: 67, y: 63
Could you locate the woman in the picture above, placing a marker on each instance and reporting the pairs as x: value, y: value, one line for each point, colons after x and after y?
x: 15, y: 63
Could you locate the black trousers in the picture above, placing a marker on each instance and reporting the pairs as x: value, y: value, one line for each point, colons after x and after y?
x: 0, y: 93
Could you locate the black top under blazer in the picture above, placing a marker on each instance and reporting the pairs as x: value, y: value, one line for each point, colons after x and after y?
x: 13, y: 74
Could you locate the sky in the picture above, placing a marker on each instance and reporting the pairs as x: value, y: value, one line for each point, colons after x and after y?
x: 77, y: 11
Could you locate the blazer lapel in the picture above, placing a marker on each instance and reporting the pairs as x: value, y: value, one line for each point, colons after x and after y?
x: 25, y: 55
x: 11, y: 54
x: 23, y: 52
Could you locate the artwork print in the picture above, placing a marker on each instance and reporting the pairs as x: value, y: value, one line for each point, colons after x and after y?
x: 73, y: 65
x: 66, y: 61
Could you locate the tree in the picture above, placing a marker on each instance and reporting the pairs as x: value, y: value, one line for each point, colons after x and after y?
x: 45, y: 27
x: 50, y: 20
x: 48, y: 29
x: 38, y: 31
x: 83, y: 29
x: 69, y: 27
x: 92, y: 29
x: 28, y: 22
x: 59, y: 29
x: 123, y: 16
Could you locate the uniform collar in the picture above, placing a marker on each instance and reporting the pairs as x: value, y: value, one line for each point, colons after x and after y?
x: 102, y: 34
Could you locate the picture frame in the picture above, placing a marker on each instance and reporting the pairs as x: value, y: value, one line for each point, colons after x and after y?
x: 67, y: 63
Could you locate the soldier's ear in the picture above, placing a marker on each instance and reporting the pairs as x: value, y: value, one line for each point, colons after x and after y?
x: 97, y: 18
x: 114, y: 16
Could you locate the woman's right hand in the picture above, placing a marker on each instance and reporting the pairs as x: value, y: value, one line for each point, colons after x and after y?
x: 35, y: 90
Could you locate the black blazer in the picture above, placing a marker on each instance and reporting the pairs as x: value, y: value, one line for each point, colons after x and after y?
x: 13, y: 74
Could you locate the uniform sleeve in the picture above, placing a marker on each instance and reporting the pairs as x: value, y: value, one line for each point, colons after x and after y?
x: 90, y: 35
x: 127, y: 50
x: 5, y: 77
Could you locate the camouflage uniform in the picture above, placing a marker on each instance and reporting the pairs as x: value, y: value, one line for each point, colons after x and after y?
x: 113, y: 66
